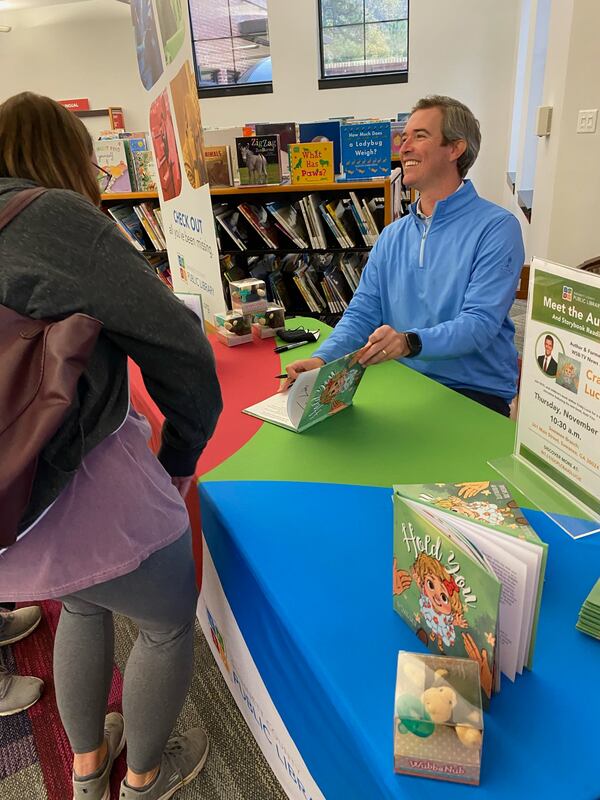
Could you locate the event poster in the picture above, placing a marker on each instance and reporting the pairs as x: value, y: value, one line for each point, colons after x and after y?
x: 166, y: 67
x: 558, y: 431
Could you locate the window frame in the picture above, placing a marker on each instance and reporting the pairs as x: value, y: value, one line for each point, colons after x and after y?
x: 361, y: 79
x: 231, y: 89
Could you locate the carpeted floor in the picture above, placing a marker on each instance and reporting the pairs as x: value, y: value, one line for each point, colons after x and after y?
x: 35, y: 757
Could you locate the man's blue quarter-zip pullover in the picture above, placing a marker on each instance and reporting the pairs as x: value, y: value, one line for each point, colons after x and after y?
x: 452, y: 282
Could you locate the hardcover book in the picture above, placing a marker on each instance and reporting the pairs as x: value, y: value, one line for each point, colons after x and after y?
x: 291, y: 221
x: 142, y: 162
x: 218, y: 165
x: 324, y: 131
x: 311, y: 162
x: 111, y: 155
x: 366, y: 151
x: 287, y: 136
x: 258, y: 217
x: 258, y: 159
x: 468, y: 574
x: 129, y: 225
x: 314, y: 395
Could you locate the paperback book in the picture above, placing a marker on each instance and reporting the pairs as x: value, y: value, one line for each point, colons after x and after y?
x: 314, y: 395
x: 258, y: 159
x: 468, y: 574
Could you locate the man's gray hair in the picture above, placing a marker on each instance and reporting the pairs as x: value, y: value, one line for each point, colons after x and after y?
x: 458, y: 122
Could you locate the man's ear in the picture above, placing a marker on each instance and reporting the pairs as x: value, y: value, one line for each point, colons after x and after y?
x: 456, y: 149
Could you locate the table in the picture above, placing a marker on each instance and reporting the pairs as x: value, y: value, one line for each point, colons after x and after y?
x: 297, y: 600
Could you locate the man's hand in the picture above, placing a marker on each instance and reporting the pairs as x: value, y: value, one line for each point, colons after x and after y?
x: 384, y: 344
x: 183, y: 484
x: 296, y: 367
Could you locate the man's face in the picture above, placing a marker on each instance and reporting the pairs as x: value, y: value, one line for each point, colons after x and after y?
x: 548, y: 345
x: 425, y: 160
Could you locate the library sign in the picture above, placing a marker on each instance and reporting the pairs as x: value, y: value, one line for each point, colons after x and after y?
x: 165, y: 62
x: 559, y: 408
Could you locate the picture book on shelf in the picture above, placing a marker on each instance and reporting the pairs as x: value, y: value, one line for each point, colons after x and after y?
x: 258, y: 159
x: 259, y: 218
x: 111, y: 155
x: 468, y: 574
x: 287, y: 136
x: 314, y: 395
x: 142, y: 164
x: 311, y: 162
x: 366, y: 151
x: 324, y: 131
x: 290, y: 219
x: 217, y: 160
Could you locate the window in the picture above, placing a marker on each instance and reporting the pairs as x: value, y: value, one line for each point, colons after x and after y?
x: 231, y: 45
x: 363, y: 42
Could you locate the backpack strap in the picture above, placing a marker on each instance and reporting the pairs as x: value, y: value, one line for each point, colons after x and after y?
x: 18, y: 203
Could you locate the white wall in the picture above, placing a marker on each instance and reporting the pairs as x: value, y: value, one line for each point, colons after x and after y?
x: 465, y: 49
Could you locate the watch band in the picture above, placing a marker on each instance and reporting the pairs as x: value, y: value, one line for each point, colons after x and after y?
x: 413, y: 340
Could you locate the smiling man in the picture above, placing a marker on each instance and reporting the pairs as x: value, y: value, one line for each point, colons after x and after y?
x: 440, y: 281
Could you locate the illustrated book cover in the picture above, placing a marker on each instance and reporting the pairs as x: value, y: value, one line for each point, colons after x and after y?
x: 314, y: 395
x: 287, y: 136
x: 327, y: 130
x: 366, y: 151
x: 311, y: 162
x: 111, y: 155
x: 217, y: 160
x: 258, y: 159
x: 468, y: 574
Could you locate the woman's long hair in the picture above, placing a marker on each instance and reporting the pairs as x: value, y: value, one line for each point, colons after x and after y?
x: 43, y: 142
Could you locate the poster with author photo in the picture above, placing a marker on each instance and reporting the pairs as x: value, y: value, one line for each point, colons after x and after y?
x: 558, y: 426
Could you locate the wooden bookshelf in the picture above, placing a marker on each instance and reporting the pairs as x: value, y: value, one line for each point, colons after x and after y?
x: 129, y: 196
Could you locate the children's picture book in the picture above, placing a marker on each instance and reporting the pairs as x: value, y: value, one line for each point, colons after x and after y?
x: 287, y: 136
x: 111, y: 155
x: 396, y: 131
x: 217, y: 160
x: 468, y: 574
x: 258, y: 159
x: 216, y: 137
x: 130, y: 225
x: 143, y: 167
x: 325, y: 131
x: 314, y: 395
x: 311, y: 162
x: 366, y: 151
x: 236, y: 226
x: 289, y: 217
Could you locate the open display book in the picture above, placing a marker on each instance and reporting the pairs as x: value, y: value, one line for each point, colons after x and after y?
x: 314, y: 395
x: 468, y: 574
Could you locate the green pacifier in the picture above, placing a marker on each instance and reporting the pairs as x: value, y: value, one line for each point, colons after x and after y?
x: 412, y: 717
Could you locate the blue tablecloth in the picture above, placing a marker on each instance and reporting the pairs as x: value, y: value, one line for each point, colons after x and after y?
x: 307, y: 570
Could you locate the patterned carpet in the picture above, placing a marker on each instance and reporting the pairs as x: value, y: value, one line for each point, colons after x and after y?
x: 35, y: 758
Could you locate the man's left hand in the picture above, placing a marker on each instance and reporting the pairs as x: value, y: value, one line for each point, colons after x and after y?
x: 384, y: 344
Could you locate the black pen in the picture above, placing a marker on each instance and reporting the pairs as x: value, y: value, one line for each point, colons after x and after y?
x: 283, y: 348
x: 285, y: 375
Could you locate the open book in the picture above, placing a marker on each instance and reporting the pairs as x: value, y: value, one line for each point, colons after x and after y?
x: 468, y: 574
x: 314, y: 395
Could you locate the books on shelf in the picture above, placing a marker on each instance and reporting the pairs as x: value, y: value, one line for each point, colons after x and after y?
x: 311, y: 162
x: 232, y: 221
x: 366, y: 150
x: 290, y: 218
x: 215, y: 137
x: 314, y: 396
x: 258, y: 159
x: 130, y: 226
x: 468, y: 574
x: 142, y: 166
x: 258, y: 217
x: 217, y: 160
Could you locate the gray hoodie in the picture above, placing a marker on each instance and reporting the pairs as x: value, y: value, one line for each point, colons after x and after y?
x: 62, y: 255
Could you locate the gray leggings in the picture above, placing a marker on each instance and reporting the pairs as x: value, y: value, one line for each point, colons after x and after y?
x: 160, y: 597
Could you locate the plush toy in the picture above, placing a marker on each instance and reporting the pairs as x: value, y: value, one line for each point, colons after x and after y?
x: 470, y: 737
x: 439, y: 702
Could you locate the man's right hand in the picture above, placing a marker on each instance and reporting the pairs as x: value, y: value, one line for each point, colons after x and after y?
x: 296, y: 367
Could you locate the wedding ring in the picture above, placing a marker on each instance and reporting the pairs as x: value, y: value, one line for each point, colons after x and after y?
x: 384, y: 351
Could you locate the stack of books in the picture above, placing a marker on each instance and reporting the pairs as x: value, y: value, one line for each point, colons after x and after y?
x: 589, y: 616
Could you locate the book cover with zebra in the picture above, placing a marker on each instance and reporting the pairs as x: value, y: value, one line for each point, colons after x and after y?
x: 258, y: 159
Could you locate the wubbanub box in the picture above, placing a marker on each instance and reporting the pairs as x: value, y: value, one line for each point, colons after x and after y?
x: 438, y: 721
x: 248, y: 296
x: 233, y: 328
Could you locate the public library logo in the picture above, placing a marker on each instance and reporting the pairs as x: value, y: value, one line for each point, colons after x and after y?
x: 182, y: 269
x: 218, y: 640
x: 567, y: 293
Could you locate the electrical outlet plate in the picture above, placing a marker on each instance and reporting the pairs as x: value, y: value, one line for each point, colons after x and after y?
x: 587, y: 119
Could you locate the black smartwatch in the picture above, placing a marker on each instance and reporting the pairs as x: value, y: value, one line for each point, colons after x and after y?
x: 413, y: 340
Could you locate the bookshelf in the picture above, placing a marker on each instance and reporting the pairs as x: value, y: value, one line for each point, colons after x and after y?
x: 237, y: 262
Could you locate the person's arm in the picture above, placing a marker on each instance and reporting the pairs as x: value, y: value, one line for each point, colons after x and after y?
x: 488, y: 298
x: 145, y: 320
x: 361, y: 317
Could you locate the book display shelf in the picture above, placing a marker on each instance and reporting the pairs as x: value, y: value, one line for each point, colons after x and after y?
x: 308, y: 243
